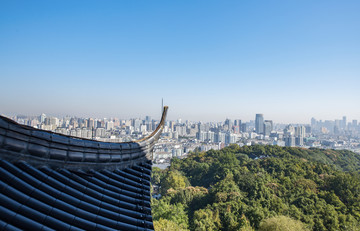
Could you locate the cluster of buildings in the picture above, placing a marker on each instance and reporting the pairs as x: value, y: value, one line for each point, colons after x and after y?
x: 335, y: 127
x: 181, y: 137
x: 107, y: 130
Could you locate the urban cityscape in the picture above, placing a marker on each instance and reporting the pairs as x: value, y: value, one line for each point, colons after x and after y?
x: 258, y: 128
x: 181, y: 137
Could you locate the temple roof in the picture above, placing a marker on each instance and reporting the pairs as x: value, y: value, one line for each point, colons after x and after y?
x: 55, y: 182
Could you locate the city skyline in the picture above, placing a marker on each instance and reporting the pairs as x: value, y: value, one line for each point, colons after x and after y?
x: 181, y: 137
x: 290, y: 61
x: 240, y: 120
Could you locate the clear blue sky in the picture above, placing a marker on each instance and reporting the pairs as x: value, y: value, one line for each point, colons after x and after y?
x: 210, y: 60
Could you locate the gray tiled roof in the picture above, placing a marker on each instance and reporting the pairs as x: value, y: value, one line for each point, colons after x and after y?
x: 55, y: 182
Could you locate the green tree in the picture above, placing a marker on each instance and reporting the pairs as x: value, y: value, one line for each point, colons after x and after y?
x: 206, y: 220
x: 186, y: 195
x: 175, y: 180
x: 156, y: 175
x: 167, y: 225
x: 233, y: 191
x: 226, y: 190
x: 162, y: 209
x: 281, y: 223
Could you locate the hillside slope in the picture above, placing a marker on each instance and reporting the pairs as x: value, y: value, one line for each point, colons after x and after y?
x: 257, y: 187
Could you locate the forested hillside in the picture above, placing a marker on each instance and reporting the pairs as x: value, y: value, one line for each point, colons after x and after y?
x: 259, y: 188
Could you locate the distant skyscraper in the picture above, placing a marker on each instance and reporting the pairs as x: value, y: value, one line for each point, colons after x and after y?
x: 300, y: 131
x: 299, y: 141
x: 237, y: 123
x: 220, y: 137
x: 47, y: 121
x: 42, y: 118
x: 90, y: 123
x: 289, y: 130
x: 268, y: 127
x: 230, y: 138
x: 314, y: 124
x: 237, y: 126
x: 243, y: 127
x: 228, y: 124
x: 344, y: 122
x: 100, y: 124
x: 259, y: 123
x: 337, y: 126
x: 201, y: 136
x: 172, y: 125
x: 137, y: 123
x: 201, y: 127
x: 211, y: 136
x: 289, y: 137
x: 110, y: 125
x: 289, y: 141
x: 354, y: 124
x: 299, y: 135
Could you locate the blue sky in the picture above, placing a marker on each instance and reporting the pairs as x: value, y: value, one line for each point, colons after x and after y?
x: 209, y: 60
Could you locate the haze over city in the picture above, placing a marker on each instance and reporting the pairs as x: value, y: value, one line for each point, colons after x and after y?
x: 209, y: 60
x: 180, y: 115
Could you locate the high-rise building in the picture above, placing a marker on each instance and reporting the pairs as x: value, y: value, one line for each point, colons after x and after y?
x: 211, y: 136
x: 313, y: 122
x: 137, y: 123
x: 110, y: 125
x: 243, y: 127
x: 172, y: 125
x: 259, y: 123
x: 46, y: 121
x: 268, y: 127
x: 354, y: 123
x: 153, y: 125
x: 220, y: 137
x: 300, y: 131
x: 228, y: 125
x: 100, y: 124
x: 289, y: 141
x: 289, y: 136
x: 91, y: 123
x: 230, y: 138
x: 289, y: 130
x: 237, y: 126
x: 42, y: 118
x: 299, y: 135
x: 337, y: 126
x: 299, y: 141
x: 344, y: 123
x: 117, y: 122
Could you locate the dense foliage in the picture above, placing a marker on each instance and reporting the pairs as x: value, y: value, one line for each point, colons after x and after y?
x: 259, y: 188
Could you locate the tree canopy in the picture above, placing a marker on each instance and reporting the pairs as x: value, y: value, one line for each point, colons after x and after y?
x: 260, y: 188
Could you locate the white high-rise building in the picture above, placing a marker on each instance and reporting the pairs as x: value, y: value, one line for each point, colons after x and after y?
x: 42, y: 118
x: 109, y: 125
x: 300, y: 132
